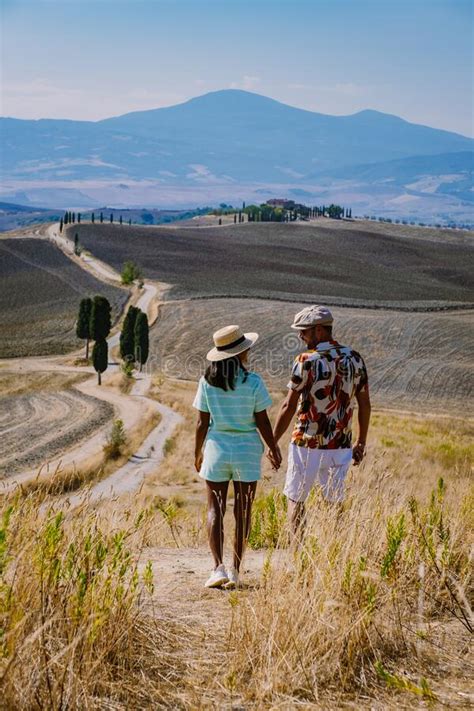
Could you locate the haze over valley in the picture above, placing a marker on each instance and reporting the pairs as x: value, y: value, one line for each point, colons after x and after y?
x: 234, y: 145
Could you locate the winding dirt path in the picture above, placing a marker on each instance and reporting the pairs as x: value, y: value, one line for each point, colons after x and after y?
x: 129, y: 408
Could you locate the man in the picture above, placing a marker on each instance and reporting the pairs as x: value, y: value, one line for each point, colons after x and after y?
x: 324, y: 382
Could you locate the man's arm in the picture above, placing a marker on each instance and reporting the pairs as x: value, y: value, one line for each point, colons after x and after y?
x: 286, y: 414
x: 363, y: 402
x: 202, y: 427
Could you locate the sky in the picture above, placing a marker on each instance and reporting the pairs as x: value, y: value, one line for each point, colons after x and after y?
x: 91, y: 59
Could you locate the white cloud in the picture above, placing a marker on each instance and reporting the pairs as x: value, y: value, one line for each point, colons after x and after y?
x: 339, y: 88
x: 246, y: 82
x: 300, y: 86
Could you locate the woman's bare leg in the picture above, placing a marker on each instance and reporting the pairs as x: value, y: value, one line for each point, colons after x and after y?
x: 216, y: 502
x: 244, y: 494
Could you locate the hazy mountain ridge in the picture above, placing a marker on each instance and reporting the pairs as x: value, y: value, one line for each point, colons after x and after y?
x: 235, y: 139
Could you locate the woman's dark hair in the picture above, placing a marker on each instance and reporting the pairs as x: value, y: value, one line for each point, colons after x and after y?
x: 222, y: 373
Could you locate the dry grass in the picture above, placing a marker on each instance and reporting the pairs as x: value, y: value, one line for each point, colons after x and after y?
x: 68, y: 479
x: 371, y: 611
x: 120, y: 381
x: 375, y: 599
x: 77, y: 616
x: 27, y: 383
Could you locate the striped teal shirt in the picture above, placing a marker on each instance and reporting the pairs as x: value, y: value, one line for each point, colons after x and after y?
x: 233, y: 410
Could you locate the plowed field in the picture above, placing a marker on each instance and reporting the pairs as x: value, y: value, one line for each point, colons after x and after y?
x: 43, y: 418
x: 338, y: 263
x: 40, y: 291
x: 417, y: 361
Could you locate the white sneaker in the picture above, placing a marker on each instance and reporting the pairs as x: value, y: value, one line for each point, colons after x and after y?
x: 218, y: 578
x: 233, y: 579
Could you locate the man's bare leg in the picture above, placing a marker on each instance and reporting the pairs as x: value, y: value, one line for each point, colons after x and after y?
x: 297, y: 518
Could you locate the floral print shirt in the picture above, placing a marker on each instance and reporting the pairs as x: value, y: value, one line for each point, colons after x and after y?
x: 328, y: 379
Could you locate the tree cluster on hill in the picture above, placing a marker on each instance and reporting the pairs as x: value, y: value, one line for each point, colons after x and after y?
x: 70, y: 217
x: 281, y: 210
x: 136, y: 216
x: 134, y: 338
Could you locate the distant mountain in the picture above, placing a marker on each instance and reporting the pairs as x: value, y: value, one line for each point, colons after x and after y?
x: 231, y: 139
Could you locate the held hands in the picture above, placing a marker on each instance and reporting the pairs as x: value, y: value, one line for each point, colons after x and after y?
x: 274, y: 455
x: 358, y: 453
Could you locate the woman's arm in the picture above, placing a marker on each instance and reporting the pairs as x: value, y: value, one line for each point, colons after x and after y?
x: 202, y: 427
x: 265, y: 429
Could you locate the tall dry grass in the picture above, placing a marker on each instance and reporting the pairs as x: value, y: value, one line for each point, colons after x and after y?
x: 375, y: 598
x: 371, y: 611
x: 78, y: 627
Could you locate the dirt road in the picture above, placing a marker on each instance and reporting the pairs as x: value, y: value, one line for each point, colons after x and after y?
x: 131, y: 409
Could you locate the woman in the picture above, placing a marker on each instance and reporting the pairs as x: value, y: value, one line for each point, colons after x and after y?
x: 232, y: 404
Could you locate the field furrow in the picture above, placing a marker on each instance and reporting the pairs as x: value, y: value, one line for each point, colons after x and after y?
x: 39, y: 298
x: 418, y: 361
x: 36, y: 426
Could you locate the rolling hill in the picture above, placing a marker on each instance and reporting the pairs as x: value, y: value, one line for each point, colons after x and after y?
x: 40, y: 296
x: 296, y: 262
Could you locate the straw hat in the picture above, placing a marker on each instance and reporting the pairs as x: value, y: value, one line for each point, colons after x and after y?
x: 230, y: 341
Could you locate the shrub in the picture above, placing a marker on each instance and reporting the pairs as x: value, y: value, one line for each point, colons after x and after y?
x: 115, y: 441
x: 130, y: 272
x: 127, y: 368
x: 268, y: 520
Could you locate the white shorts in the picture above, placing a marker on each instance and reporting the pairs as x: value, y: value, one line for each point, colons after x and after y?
x: 326, y: 467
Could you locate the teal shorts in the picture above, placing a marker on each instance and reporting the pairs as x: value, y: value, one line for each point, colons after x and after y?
x: 232, y: 456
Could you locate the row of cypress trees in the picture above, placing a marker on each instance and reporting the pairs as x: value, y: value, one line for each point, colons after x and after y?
x: 94, y: 323
x: 134, y: 340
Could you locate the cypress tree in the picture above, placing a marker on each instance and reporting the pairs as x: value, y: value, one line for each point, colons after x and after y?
x: 111, y: 217
x: 127, y: 336
x: 61, y: 225
x: 78, y: 217
x: 76, y: 243
x: 100, y: 320
x: 83, y: 322
x: 73, y: 216
x: 92, y: 218
x: 141, y: 339
x: 121, y: 219
x: 100, y: 358
x: 101, y: 217
x: 66, y: 218
x: 130, y: 222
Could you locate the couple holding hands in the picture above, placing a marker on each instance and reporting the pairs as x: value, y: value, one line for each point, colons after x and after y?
x: 232, y: 403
